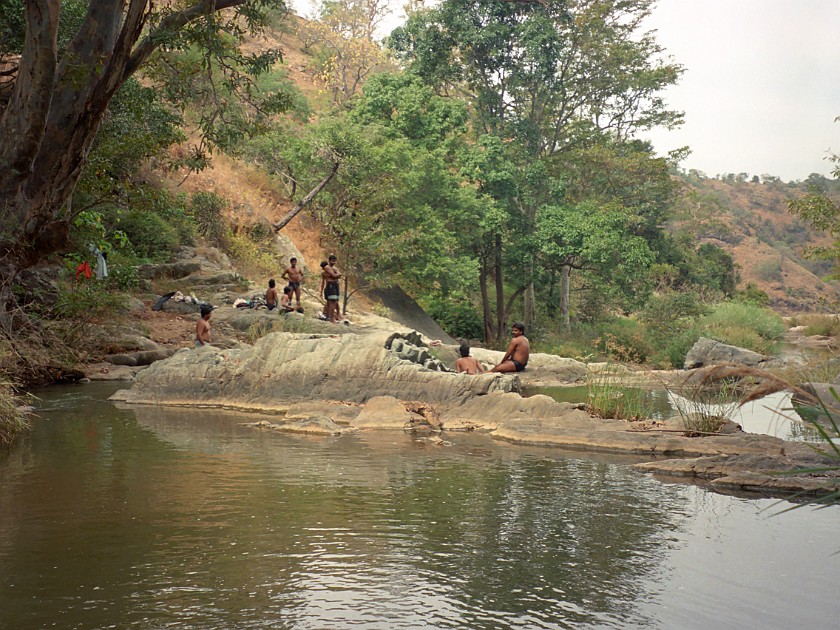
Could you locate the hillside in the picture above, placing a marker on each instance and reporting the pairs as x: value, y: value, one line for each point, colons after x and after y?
x: 750, y: 220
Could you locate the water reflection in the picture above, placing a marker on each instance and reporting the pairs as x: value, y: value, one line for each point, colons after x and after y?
x: 149, y: 518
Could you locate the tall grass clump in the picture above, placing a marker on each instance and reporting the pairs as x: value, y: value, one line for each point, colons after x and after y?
x: 12, y: 420
x: 705, y: 409
x: 815, y: 324
x: 607, y: 398
x: 744, y: 325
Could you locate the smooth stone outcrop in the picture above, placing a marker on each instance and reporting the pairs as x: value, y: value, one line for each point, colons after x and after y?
x: 710, y: 352
x: 284, y: 368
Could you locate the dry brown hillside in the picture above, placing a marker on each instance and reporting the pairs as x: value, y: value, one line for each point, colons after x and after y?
x: 752, y: 222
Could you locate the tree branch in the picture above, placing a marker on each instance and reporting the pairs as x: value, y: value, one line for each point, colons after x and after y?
x: 305, y: 201
x: 173, y: 22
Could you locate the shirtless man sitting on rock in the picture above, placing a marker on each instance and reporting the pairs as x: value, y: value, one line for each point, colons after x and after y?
x: 518, y: 352
x: 466, y: 363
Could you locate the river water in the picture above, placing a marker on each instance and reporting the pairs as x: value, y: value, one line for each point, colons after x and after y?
x: 153, y: 518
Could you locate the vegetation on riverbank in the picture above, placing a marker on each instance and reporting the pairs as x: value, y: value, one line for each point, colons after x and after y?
x: 427, y: 184
x: 12, y: 420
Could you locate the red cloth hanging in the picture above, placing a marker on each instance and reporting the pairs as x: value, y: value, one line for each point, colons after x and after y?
x: 84, y: 269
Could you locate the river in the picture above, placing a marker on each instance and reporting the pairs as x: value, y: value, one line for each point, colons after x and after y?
x: 153, y: 518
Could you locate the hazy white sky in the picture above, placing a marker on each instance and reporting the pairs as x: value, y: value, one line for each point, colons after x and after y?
x: 761, y: 88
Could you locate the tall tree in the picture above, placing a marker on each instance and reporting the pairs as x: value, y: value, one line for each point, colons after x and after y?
x: 59, y: 95
x: 551, y: 78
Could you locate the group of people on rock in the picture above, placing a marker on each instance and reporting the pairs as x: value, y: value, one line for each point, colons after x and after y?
x: 295, y: 277
x: 515, y: 359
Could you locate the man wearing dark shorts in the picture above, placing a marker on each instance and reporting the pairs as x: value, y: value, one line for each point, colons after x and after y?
x: 331, y: 290
x: 518, y: 352
x: 294, y: 275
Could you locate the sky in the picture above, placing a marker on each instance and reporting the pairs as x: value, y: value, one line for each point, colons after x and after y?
x: 761, y: 87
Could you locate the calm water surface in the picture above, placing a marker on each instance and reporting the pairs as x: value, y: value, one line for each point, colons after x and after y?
x: 154, y: 518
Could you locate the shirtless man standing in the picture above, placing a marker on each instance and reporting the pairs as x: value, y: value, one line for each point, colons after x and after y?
x: 332, y: 291
x: 294, y: 275
x: 518, y: 352
x: 466, y: 363
x: 202, y: 328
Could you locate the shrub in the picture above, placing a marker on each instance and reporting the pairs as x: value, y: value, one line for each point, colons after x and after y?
x: 457, y: 316
x: 769, y: 270
x: 730, y: 316
x: 826, y: 325
x: 753, y: 295
x: 150, y: 235
x: 624, y: 339
x: 207, y: 210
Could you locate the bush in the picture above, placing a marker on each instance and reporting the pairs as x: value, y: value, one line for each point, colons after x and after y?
x: 769, y: 270
x: 744, y: 325
x: 457, y: 316
x: 12, y: 421
x: 150, y: 235
x: 753, y: 295
x: 624, y: 339
x: 207, y: 210
x: 826, y: 325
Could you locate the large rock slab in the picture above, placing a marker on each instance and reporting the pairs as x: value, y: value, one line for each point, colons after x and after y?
x: 284, y: 368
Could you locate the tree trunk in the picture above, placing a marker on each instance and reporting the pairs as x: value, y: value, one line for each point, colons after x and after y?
x: 500, y: 289
x: 305, y: 201
x: 485, y: 303
x: 54, y: 112
x: 565, y: 271
x: 530, y: 307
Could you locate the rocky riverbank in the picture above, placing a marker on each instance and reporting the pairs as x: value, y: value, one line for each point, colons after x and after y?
x: 332, y: 384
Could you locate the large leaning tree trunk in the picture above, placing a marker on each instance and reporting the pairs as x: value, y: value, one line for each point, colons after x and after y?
x: 51, y: 118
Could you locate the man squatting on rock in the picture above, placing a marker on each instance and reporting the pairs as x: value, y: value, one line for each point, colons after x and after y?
x: 202, y: 328
x: 518, y: 352
x: 294, y: 275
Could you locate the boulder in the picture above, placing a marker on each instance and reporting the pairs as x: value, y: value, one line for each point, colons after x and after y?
x: 140, y: 357
x: 710, y: 352
x: 38, y: 284
x: 383, y: 412
x: 175, y: 270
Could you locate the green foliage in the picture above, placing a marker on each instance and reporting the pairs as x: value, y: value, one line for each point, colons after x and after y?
x: 751, y: 294
x: 744, y: 325
x: 818, y: 324
x: 671, y: 319
x: 457, y: 316
x: 150, y: 235
x: 207, y: 210
x: 623, y: 339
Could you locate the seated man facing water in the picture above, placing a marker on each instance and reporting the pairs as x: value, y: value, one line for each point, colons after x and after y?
x: 466, y: 363
x: 518, y: 352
